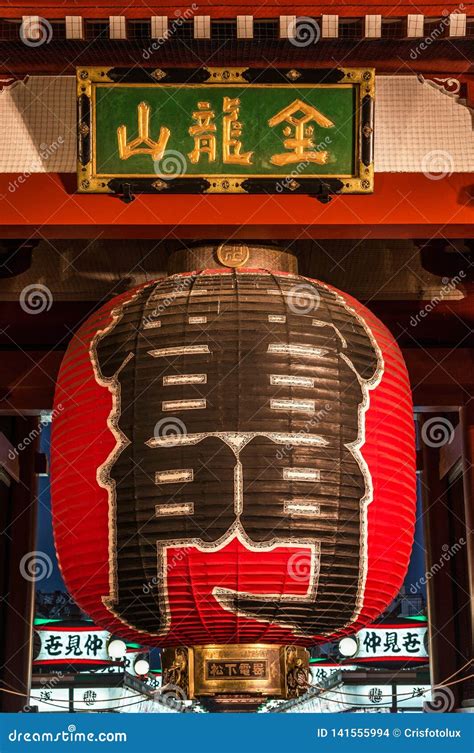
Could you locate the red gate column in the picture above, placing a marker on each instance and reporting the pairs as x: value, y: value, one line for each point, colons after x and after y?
x: 448, y: 542
x: 468, y: 416
x: 17, y: 545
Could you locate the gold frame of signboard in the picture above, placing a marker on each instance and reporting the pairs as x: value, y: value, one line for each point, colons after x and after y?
x: 362, y: 181
x: 258, y: 668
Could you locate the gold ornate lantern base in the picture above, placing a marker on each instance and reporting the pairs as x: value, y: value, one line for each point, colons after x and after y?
x: 234, y: 670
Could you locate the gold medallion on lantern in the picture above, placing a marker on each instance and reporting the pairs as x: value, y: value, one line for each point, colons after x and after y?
x: 233, y: 254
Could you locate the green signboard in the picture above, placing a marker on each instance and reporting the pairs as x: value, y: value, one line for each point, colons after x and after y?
x: 226, y: 131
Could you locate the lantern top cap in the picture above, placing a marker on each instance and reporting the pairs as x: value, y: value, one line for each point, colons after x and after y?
x: 221, y: 255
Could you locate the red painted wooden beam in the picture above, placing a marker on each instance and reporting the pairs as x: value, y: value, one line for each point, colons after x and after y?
x: 386, y: 56
x: 404, y: 205
x: 270, y: 9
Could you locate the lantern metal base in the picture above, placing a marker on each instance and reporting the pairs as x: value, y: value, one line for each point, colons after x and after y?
x: 257, y: 669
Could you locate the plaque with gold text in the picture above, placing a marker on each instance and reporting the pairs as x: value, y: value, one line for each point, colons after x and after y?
x: 216, y: 130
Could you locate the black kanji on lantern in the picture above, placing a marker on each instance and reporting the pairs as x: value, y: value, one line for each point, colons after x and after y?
x: 239, y: 409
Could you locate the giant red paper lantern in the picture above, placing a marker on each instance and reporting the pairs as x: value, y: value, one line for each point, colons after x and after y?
x: 233, y: 461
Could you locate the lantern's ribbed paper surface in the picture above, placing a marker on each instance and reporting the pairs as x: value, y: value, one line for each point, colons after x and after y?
x: 233, y: 461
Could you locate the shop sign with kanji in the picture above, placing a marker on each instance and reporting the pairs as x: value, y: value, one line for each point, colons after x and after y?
x: 403, y: 642
x: 74, y: 645
x: 71, y: 645
x: 243, y: 670
x: 386, y: 696
x: 225, y: 130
